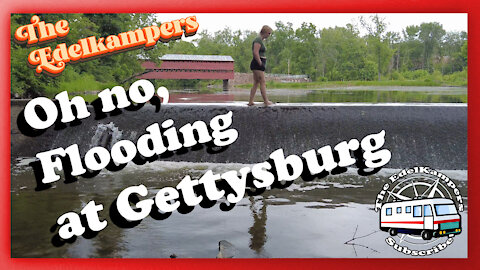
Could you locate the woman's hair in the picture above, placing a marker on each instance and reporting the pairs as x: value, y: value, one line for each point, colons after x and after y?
x: 265, y: 29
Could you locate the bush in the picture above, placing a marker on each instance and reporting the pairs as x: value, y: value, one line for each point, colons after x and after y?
x: 73, y: 82
x: 457, y: 78
x: 418, y: 74
x: 436, y: 76
x: 369, y: 71
x: 397, y: 76
x: 334, y: 75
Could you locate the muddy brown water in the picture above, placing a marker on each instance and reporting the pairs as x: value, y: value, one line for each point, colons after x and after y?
x: 328, y: 217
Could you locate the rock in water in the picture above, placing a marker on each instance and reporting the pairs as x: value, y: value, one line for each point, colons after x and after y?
x: 226, y: 250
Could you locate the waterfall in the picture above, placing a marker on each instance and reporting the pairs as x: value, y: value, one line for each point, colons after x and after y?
x: 106, y: 135
x: 433, y: 135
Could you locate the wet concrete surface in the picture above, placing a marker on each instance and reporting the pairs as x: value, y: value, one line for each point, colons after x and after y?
x: 431, y: 134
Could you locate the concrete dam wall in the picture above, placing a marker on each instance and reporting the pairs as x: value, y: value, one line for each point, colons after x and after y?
x: 432, y: 135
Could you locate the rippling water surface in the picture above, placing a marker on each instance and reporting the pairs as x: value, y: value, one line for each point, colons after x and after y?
x: 328, y: 217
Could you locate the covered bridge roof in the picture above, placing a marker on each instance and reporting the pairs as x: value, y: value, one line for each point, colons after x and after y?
x: 188, y: 57
x: 183, y: 66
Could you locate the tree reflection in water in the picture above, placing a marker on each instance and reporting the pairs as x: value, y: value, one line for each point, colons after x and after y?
x: 258, y: 230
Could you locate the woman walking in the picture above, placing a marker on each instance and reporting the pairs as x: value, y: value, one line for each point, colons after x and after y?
x: 258, y: 66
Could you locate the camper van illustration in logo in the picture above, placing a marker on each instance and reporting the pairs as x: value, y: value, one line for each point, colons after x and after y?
x: 426, y: 217
x: 419, y: 207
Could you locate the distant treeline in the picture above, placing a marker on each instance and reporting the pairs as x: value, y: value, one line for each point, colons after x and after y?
x: 341, y: 53
x: 419, y: 52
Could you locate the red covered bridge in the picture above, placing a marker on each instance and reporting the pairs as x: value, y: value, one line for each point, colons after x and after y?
x: 182, y: 66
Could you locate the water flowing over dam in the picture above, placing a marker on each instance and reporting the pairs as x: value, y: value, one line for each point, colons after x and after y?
x: 432, y: 135
x: 320, y: 214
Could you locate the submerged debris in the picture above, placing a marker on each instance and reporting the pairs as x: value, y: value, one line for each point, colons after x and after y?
x: 226, y: 250
x: 354, y: 237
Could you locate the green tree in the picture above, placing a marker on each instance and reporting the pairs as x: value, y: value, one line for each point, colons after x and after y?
x: 307, y: 51
x: 280, y: 49
x: 451, y: 47
x: 378, y: 42
x: 410, y: 49
x: 106, y: 69
x: 344, y: 54
x: 431, y: 35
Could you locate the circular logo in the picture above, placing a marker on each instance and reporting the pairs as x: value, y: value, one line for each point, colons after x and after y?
x: 419, y: 209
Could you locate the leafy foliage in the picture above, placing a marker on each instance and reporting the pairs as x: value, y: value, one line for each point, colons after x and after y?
x: 94, y: 73
x: 423, y: 52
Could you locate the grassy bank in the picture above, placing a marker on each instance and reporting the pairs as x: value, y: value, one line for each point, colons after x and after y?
x: 408, y: 78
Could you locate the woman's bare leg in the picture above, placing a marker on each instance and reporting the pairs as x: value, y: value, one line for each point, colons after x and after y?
x: 263, y: 87
x: 254, y: 88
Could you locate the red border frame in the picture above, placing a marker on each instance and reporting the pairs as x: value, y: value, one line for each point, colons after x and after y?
x: 199, y: 6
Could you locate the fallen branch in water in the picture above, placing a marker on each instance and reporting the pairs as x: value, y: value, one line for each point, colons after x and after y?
x: 350, y: 242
